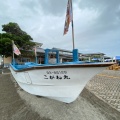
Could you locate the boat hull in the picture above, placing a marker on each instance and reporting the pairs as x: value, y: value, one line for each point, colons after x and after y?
x: 59, y: 83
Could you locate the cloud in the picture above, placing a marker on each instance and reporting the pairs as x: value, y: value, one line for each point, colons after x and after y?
x: 96, y: 23
x: 104, y: 27
x: 109, y: 13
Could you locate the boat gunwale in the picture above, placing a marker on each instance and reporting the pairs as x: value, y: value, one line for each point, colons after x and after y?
x: 61, y: 66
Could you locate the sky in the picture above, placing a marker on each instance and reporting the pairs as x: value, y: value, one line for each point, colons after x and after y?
x: 96, y: 23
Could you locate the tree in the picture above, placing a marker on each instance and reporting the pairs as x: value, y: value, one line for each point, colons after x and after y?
x: 20, y: 38
x: 5, y: 47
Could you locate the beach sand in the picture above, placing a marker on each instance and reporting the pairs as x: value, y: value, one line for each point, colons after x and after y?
x: 16, y: 104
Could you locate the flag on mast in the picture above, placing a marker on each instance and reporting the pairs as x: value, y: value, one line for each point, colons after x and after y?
x: 15, y: 49
x: 69, y: 16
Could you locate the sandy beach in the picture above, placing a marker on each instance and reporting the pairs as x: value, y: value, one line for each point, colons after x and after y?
x: 16, y: 104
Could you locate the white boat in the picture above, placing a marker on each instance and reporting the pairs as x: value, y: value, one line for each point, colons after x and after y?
x: 61, y: 81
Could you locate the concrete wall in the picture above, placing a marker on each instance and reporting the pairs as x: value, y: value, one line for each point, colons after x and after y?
x: 7, y: 60
x: 0, y: 59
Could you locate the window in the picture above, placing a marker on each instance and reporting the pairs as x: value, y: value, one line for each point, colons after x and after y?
x: 24, y: 59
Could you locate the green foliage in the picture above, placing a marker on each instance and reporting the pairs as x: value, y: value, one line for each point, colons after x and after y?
x: 20, y: 38
x: 5, y: 47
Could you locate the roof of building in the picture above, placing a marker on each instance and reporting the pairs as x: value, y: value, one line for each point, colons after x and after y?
x: 38, y: 44
x: 92, y: 54
x: 62, y: 50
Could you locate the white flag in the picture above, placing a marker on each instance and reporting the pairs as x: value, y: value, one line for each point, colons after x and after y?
x: 69, y: 16
x: 15, y: 49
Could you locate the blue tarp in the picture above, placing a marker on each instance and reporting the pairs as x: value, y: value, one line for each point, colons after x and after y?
x: 117, y: 57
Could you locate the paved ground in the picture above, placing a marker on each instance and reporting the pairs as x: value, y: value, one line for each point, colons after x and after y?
x: 106, y: 86
x: 98, y: 101
x: 12, y: 107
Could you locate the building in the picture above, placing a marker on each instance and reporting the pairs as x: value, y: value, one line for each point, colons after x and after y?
x: 93, y: 57
x: 38, y: 55
x: 26, y: 56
